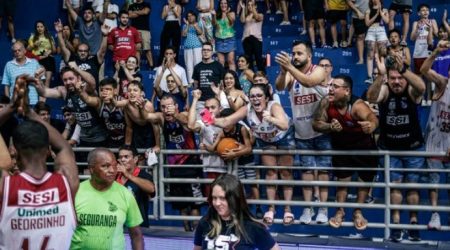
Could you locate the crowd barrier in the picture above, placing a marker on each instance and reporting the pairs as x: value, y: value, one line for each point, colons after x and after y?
x: 160, y: 201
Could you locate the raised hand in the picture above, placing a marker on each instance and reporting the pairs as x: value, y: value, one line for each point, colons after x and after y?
x: 105, y: 29
x: 196, y: 94
x: 58, y: 26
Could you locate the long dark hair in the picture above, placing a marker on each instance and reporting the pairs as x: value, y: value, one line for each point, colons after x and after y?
x: 46, y: 33
x: 237, y: 204
x: 237, y: 84
x: 219, y: 10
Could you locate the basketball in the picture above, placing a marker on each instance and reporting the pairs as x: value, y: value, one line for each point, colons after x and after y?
x: 226, y: 144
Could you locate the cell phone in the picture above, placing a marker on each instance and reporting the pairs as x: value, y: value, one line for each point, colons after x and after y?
x: 207, y: 117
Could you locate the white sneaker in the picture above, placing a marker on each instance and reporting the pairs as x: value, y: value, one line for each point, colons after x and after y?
x: 322, y: 216
x: 307, y: 215
x: 435, y: 222
x: 285, y: 23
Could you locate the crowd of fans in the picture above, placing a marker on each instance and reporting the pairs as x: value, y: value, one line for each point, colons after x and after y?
x: 234, y: 99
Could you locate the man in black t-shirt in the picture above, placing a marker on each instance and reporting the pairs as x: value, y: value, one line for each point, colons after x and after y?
x: 135, y: 179
x: 83, y: 62
x: 139, y: 13
x: 207, y: 75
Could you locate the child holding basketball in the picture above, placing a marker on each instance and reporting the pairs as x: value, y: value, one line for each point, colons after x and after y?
x: 243, y: 153
x: 213, y: 164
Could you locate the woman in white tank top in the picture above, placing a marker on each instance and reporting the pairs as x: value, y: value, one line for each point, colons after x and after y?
x: 272, y: 129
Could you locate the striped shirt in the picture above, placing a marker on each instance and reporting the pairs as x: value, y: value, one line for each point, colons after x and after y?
x: 13, y: 70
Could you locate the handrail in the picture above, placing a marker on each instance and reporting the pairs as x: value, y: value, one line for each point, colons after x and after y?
x: 159, y: 201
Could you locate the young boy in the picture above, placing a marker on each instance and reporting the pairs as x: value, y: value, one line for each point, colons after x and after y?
x: 214, y: 165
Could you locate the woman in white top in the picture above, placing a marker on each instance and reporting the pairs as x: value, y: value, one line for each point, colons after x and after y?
x: 376, y: 18
x: 272, y: 129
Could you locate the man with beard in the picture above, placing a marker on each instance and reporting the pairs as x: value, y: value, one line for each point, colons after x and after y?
x: 124, y: 40
x: 178, y: 136
x: 86, y: 64
x: 304, y: 80
x: 400, y: 130
x: 89, y: 28
x: 350, y: 123
x: 93, y: 132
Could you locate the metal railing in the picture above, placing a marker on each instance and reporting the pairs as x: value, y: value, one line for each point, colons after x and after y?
x: 161, y: 180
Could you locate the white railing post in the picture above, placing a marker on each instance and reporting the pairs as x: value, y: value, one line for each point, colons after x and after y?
x: 387, y: 195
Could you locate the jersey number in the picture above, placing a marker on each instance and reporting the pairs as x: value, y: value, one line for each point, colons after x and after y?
x: 44, y: 243
x: 445, y: 127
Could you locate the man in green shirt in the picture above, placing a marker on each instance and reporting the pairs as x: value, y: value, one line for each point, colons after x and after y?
x: 103, y: 207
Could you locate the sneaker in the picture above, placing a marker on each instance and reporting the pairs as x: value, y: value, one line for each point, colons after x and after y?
x: 268, y: 11
x: 435, y: 222
x: 13, y: 40
x: 335, y: 45
x: 413, y: 234
x: 326, y: 46
x: 343, y: 44
x: 316, y: 199
x: 370, y: 199
x: 322, y: 215
x: 303, y: 33
x: 279, y: 12
x: 285, y: 23
x: 307, y: 215
x: 313, y: 45
x: 396, y: 235
x: 369, y: 80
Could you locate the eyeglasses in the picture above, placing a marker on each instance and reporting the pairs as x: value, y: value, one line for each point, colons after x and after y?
x: 325, y: 65
x: 335, y: 86
x: 256, y: 96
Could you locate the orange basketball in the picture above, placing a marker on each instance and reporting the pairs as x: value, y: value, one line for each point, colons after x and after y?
x: 226, y: 144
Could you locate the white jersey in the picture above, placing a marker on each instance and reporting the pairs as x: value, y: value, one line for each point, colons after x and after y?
x: 421, y: 44
x: 437, y: 134
x: 36, y: 214
x: 212, y: 162
x: 263, y: 130
x: 304, y: 101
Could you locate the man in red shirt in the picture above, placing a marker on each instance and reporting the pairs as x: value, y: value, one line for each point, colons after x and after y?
x: 124, y: 40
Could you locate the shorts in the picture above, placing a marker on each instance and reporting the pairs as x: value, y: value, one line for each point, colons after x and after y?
x: 407, y: 163
x: 247, y: 173
x: 313, y: 11
x: 7, y: 8
x: 146, y: 38
x: 143, y: 136
x: 287, y: 142
x: 333, y: 16
x: 356, y: 161
x: 359, y: 26
x: 418, y: 64
x: 435, y: 177
x: 185, y: 189
x: 48, y: 63
x: 401, y: 8
x: 226, y: 45
x: 318, y: 143
x: 376, y: 33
